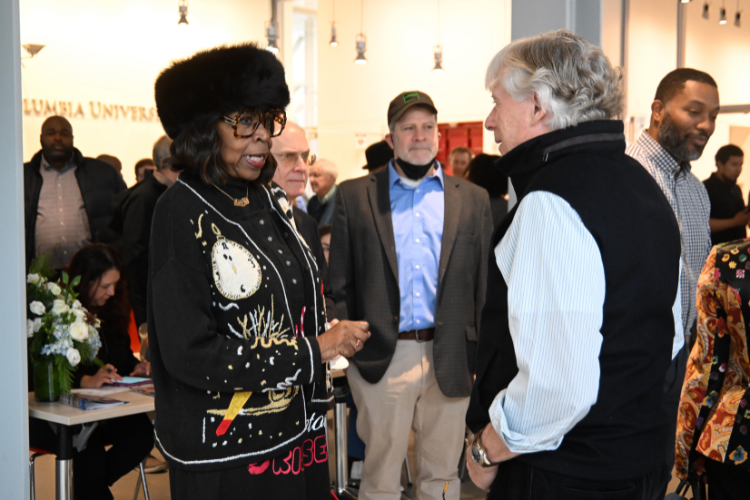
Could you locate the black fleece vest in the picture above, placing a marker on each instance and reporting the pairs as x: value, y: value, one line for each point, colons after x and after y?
x: 636, y: 231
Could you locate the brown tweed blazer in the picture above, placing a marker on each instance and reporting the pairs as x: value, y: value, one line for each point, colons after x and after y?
x: 363, y: 275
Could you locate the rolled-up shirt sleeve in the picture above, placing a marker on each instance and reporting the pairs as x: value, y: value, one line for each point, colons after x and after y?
x: 556, y: 289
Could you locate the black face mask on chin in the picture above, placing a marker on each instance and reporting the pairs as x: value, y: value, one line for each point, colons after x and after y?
x: 414, y: 172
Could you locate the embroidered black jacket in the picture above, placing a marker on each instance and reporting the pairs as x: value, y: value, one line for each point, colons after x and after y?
x: 234, y: 309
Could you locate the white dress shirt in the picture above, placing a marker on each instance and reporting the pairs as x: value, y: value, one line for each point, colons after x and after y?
x: 555, y: 314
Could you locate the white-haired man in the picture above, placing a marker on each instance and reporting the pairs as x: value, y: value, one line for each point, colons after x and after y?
x: 323, y: 176
x: 292, y: 153
x: 582, y: 315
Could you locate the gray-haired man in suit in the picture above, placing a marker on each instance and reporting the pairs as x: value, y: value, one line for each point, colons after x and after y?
x: 409, y: 253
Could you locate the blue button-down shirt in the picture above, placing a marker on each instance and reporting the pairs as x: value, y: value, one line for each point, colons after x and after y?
x: 417, y: 215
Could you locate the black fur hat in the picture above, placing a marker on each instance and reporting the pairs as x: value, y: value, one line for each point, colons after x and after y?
x: 219, y: 80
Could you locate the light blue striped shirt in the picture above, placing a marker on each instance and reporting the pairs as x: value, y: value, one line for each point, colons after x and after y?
x: 417, y: 214
x: 555, y: 313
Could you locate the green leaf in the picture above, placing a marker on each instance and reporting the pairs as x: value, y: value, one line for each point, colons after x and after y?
x: 75, y: 281
x: 65, y: 372
x: 65, y: 277
x: 41, y: 266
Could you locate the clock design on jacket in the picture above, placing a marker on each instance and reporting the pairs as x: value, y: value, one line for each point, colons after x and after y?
x: 236, y: 272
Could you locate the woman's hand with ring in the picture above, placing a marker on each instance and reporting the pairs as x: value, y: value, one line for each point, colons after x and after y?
x: 344, y: 339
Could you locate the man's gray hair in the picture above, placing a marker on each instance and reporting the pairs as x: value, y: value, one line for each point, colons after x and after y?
x: 572, y: 79
x: 328, y: 167
x: 161, y: 151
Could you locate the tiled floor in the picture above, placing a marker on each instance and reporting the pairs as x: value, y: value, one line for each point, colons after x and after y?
x: 158, y: 484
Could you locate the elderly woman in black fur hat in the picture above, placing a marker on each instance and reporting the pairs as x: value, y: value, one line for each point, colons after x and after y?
x: 237, y: 324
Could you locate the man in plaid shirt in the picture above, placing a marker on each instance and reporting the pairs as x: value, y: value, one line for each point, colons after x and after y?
x: 683, y: 117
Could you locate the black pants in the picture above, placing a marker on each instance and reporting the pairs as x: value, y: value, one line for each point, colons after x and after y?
x: 518, y: 481
x: 727, y: 482
x: 96, y: 469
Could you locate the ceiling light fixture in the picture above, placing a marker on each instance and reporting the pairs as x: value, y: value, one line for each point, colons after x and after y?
x: 333, y: 41
x: 723, y: 16
x: 684, y: 1
x: 32, y: 49
x: 705, y: 11
x: 438, y: 50
x: 272, y: 37
x: 361, y: 47
x: 737, y: 15
x: 361, y: 39
x: 183, y: 10
x: 438, y: 68
x: 271, y: 33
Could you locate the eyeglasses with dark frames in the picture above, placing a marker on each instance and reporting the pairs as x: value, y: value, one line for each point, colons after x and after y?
x: 247, y: 121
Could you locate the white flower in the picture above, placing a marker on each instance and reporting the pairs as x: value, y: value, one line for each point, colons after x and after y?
x: 37, y: 308
x: 79, y: 331
x: 80, y: 314
x: 57, y: 332
x: 59, y: 307
x: 37, y: 324
x: 29, y: 328
x: 74, y: 357
x: 32, y: 278
x: 77, y: 305
x: 54, y: 288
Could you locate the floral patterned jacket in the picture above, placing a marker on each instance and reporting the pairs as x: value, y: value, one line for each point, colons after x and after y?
x: 714, y: 415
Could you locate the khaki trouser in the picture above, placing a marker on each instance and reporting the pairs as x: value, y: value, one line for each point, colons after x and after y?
x: 408, y: 397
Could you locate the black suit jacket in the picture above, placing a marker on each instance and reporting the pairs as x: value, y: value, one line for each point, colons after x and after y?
x: 308, y: 228
x: 132, y: 221
x: 364, y: 275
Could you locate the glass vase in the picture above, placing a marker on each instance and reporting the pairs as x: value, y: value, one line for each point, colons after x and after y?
x: 46, y: 381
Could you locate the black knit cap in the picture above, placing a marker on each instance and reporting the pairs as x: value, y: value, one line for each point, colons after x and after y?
x: 219, y: 80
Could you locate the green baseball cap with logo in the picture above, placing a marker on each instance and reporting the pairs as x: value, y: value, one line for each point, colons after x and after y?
x: 403, y: 102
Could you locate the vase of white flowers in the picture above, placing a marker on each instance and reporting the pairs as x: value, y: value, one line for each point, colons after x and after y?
x: 61, y: 333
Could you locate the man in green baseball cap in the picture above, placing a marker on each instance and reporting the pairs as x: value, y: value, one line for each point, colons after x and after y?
x: 398, y: 236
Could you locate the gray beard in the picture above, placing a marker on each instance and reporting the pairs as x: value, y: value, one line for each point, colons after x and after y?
x: 669, y: 138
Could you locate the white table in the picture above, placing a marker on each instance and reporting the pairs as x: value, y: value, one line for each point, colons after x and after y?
x: 67, y: 416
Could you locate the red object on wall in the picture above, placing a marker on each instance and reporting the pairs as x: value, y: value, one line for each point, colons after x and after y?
x: 465, y: 134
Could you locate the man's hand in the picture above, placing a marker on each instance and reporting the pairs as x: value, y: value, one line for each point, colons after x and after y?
x: 481, y: 476
x: 497, y: 450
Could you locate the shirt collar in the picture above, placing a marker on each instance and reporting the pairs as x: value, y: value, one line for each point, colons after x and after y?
x: 664, y: 160
x: 69, y: 165
x: 329, y: 195
x: 393, y: 176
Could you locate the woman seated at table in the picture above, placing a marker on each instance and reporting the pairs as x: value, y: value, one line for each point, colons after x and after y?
x: 103, y: 293
x: 236, y: 317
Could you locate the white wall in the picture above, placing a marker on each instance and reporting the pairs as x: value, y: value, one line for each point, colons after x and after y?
x: 400, y: 39
x: 112, y: 52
